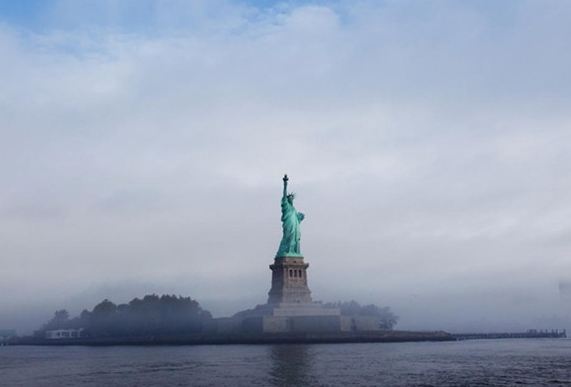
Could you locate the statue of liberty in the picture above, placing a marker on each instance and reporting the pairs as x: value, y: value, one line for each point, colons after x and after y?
x: 289, y: 246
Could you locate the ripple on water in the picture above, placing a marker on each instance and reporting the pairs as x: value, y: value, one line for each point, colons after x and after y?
x: 474, y: 363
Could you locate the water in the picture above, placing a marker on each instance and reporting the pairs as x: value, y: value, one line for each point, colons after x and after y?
x: 475, y: 363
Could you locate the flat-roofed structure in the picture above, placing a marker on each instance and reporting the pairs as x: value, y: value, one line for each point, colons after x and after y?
x: 6, y: 334
x: 60, y: 334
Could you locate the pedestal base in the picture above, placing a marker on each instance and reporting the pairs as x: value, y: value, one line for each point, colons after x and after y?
x: 292, y: 317
x: 298, y: 317
x: 289, y: 281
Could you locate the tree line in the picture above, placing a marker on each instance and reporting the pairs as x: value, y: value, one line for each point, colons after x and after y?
x: 150, y: 316
x: 166, y: 315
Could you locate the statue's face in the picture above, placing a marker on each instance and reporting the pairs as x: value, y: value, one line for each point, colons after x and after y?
x: 290, y: 199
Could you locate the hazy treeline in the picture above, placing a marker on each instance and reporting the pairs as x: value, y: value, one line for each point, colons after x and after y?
x: 151, y: 315
x: 155, y: 315
x: 387, y: 319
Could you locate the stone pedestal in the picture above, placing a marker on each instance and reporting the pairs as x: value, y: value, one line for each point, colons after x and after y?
x: 289, y: 282
x: 290, y: 309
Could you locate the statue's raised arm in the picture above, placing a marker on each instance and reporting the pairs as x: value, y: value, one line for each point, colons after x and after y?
x: 285, y: 179
x: 291, y: 219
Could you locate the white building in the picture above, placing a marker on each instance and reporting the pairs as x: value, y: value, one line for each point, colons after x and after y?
x: 6, y: 334
x: 58, y: 334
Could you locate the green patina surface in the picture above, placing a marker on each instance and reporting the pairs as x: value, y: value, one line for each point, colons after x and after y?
x: 291, y: 219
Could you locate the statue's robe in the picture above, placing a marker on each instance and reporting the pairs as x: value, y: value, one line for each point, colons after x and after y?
x: 291, y: 230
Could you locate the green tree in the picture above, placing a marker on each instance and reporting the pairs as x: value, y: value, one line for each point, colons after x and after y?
x: 152, y: 315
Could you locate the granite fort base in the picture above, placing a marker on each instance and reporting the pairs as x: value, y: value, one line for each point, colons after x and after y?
x: 290, y: 308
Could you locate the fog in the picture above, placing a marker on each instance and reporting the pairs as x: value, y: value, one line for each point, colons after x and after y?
x: 142, y: 146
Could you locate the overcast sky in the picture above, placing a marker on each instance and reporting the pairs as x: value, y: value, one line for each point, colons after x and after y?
x: 142, y: 145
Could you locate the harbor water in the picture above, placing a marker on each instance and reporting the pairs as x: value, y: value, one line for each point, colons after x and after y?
x: 531, y: 362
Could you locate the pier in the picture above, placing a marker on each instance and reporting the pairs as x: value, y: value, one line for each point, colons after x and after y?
x: 530, y: 334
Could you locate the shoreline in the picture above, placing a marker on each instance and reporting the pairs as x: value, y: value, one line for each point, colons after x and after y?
x: 345, y: 337
x: 286, y: 338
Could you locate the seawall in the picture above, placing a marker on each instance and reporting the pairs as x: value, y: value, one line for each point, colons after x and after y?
x: 281, y: 338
